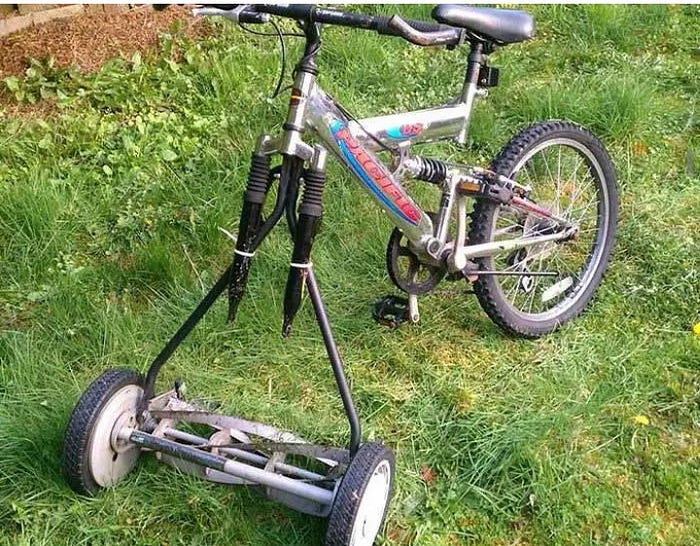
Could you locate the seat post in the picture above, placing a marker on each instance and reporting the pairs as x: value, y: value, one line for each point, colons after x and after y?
x: 469, y: 90
x: 474, y: 64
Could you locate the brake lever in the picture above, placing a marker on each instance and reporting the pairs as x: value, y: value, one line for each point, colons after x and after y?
x: 238, y: 14
x: 437, y: 38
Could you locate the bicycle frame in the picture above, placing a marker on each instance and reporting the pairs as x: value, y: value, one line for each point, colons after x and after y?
x: 355, y: 144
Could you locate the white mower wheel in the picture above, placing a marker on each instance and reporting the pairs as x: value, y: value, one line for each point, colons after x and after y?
x: 94, y: 457
x: 363, y: 497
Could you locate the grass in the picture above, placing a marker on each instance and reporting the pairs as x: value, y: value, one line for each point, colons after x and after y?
x: 109, y: 216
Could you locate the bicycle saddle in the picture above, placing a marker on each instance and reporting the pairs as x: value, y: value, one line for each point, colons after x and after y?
x: 503, y: 26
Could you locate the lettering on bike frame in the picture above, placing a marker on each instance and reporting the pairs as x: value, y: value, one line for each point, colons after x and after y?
x: 404, y: 132
x: 374, y: 175
x: 355, y: 143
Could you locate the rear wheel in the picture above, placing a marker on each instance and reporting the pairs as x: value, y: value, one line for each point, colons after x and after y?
x: 570, y: 173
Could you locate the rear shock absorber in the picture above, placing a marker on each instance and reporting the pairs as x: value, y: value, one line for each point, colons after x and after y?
x: 310, y: 213
x: 429, y: 170
x: 251, y: 218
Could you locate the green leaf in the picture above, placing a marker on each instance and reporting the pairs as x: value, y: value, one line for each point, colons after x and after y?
x: 12, y: 83
x: 136, y: 61
x: 47, y: 93
x: 169, y: 155
x: 107, y: 170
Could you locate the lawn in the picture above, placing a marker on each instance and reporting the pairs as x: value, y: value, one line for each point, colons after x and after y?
x: 110, y: 211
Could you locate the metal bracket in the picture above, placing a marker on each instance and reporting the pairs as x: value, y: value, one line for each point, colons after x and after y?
x: 413, y: 313
x: 294, y: 147
x: 401, y: 159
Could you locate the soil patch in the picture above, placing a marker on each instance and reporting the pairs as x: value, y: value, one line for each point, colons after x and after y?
x: 89, y: 41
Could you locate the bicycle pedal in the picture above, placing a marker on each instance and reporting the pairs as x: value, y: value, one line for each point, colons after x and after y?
x: 391, y: 311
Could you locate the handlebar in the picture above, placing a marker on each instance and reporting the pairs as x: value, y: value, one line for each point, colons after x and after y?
x: 239, y: 13
x: 418, y: 32
x: 409, y: 30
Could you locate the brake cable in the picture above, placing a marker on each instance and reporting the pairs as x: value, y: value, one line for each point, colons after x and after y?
x: 283, y: 67
x: 283, y: 62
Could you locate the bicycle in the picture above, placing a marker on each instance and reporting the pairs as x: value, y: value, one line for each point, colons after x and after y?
x: 539, y: 241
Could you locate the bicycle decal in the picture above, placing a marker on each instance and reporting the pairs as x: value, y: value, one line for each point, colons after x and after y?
x: 374, y: 174
x: 403, y: 132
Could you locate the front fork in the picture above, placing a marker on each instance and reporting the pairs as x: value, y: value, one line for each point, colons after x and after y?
x: 249, y: 225
x: 303, y: 230
x: 252, y: 231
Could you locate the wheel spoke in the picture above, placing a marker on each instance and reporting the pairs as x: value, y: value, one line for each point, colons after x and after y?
x: 553, y: 169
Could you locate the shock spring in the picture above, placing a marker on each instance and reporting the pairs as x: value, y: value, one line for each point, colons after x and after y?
x: 430, y: 170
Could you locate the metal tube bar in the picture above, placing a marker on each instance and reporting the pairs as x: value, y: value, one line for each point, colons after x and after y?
x: 491, y: 249
x: 336, y: 361
x: 242, y: 454
x: 180, y: 335
x: 515, y: 273
x: 427, y: 125
x: 235, y: 468
x: 534, y: 208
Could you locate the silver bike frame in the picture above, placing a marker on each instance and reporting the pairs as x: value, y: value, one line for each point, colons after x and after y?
x: 355, y: 144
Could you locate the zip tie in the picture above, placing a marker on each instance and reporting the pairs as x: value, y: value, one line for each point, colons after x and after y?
x: 243, y: 253
x: 235, y: 240
x: 228, y: 234
x: 302, y: 266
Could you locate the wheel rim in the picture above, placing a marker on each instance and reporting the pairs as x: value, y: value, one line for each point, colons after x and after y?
x: 370, y: 512
x: 109, y: 462
x: 581, y: 197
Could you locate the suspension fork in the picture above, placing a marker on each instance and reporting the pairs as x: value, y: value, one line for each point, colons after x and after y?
x: 290, y: 175
x: 302, y: 228
x: 250, y: 236
x: 251, y: 218
x: 247, y: 244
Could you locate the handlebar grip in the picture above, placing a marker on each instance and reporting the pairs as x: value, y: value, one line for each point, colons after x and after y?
x: 225, y: 7
x: 252, y: 18
x: 244, y: 15
x: 421, y: 26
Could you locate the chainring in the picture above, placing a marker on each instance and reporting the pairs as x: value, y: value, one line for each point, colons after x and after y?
x: 406, y: 270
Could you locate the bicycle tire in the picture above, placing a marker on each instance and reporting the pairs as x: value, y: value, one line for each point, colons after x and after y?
x: 516, y: 158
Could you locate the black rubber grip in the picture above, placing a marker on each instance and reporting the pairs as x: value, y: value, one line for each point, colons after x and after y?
x: 251, y: 17
x: 421, y: 26
x: 225, y: 7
